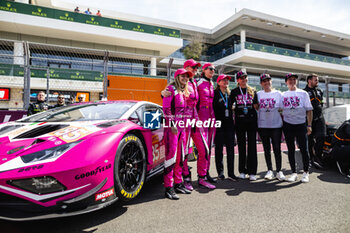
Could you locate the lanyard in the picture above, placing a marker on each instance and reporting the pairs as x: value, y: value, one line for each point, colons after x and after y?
x: 244, y: 97
x: 225, y: 101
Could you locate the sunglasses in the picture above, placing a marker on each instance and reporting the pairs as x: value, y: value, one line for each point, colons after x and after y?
x: 211, y: 68
x: 194, y: 67
x: 80, y: 97
x: 60, y: 97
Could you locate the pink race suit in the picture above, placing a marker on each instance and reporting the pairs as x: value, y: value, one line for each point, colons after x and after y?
x: 197, y: 134
x: 206, y: 111
x: 174, y: 112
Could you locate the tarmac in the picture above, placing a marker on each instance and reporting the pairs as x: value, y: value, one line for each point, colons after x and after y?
x: 322, y: 205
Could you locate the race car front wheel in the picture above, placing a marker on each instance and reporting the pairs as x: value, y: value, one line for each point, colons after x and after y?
x: 130, y: 167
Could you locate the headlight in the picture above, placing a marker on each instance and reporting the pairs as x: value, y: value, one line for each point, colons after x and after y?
x: 50, y: 153
x: 39, y: 185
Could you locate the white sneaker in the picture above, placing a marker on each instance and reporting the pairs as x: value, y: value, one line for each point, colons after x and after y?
x: 269, y: 175
x: 293, y: 177
x: 242, y: 176
x: 280, y: 176
x: 305, y: 178
x: 252, y: 177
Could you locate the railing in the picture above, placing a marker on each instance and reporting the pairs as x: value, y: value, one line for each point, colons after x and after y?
x: 59, y: 73
x: 293, y: 53
x: 45, y: 12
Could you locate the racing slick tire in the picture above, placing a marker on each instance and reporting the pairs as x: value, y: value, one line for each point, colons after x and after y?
x: 129, y: 168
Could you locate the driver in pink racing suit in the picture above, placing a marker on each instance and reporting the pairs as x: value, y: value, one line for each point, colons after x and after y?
x: 197, y: 134
x: 205, y: 108
x: 174, y: 137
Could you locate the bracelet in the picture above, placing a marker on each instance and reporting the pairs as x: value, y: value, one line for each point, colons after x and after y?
x: 309, y: 126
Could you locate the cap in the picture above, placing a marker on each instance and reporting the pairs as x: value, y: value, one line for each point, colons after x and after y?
x: 223, y: 76
x: 264, y: 76
x: 206, y: 65
x: 241, y: 73
x: 191, y: 62
x: 290, y: 75
x: 182, y: 71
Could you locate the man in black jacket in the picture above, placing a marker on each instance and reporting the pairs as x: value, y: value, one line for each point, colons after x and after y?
x: 316, y: 139
x: 60, y: 101
x: 39, y: 106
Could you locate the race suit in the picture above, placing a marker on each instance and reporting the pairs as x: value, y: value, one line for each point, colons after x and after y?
x: 197, y: 134
x: 318, y: 123
x: 39, y: 106
x: 174, y: 112
x: 206, y: 111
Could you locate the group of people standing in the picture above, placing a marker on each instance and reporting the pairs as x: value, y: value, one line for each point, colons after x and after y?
x: 41, y: 105
x: 243, y: 112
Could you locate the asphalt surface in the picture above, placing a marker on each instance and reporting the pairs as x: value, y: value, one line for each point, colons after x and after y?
x: 322, y: 205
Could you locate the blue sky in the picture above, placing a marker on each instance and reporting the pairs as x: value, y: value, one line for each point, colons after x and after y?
x: 334, y: 15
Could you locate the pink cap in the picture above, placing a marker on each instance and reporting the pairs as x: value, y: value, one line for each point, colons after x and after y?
x: 206, y: 65
x: 182, y: 71
x: 223, y: 76
x: 191, y: 62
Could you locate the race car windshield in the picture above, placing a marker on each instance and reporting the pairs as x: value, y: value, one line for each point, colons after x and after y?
x: 85, y: 112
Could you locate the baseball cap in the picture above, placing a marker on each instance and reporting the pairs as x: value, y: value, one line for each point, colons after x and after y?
x: 241, y: 74
x: 191, y: 62
x: 223, y: 76
x: 264, y: 76
x: 206, y: 65
x: 290, y: 75
x: 182, y: 71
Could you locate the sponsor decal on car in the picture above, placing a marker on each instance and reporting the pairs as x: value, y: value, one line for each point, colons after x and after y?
x: 131, y: 138
x: 33, y: 168
x: 104, y: 195
x: 72, y: 133
x: 95, y: 172
x: 158, y: 148
x: 131, y: 195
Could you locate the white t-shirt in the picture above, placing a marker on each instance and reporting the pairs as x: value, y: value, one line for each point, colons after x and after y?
x: 295, y: 104
x: 269, y: 104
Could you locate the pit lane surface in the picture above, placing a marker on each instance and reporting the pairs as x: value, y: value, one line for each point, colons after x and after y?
x: 262, y: 206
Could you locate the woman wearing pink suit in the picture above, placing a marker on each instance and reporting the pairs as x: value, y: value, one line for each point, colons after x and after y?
x: 174, y: 136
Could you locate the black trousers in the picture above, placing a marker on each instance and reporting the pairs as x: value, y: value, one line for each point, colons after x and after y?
x: 316, y: 139
x: 298, y: 132
x: 226, y: 138
x: 267, y: 136
x: 248, y: 163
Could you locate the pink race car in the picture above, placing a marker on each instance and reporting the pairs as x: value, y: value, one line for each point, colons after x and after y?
x: 77, y: 159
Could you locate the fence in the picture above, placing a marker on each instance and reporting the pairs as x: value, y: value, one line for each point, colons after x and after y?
x: 28, y: 66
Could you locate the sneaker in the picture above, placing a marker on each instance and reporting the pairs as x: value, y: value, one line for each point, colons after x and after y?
x: 180, y: 188
x: 203, y: 183
x: 170, y: 193
x: 252, y: 177
x: 280, y: 176
x: 305, y: 178
x: 293, y: 177
x: 269, y: 175
x: 242, y: 176
x: 188, y: 184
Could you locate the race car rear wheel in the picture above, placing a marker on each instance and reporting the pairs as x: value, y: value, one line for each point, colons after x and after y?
x: 130, y: 167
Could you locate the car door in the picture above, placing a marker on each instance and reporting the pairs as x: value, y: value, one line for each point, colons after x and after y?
x: 158, y: 146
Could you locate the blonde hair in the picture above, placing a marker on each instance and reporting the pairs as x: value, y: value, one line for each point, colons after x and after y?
x: 227, y: 89
x: 179, y: 87
x: 250, y: 90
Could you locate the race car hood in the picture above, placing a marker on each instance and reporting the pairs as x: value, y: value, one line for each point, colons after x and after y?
x: 18, y: 139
